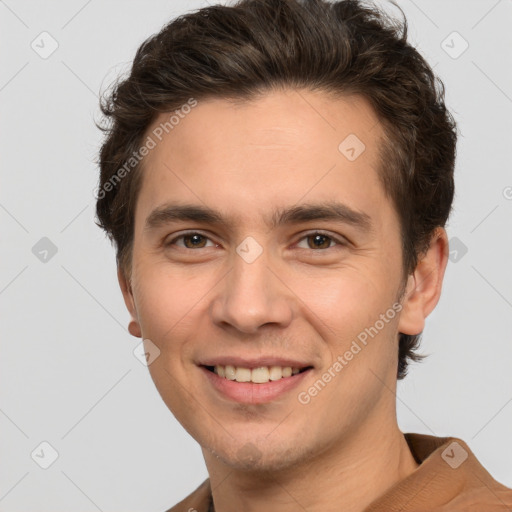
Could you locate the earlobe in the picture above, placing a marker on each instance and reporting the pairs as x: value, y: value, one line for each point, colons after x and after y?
x: 424, y: 285
x: 134, y: 329
x: 134, y: 326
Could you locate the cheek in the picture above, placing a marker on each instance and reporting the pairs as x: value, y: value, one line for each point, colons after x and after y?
x: 168, y: 307
x: 343, y: 302
x: 167, y: 301
x: 356, y: 319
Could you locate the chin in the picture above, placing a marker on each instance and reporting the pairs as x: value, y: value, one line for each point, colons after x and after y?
x: 262, y: 457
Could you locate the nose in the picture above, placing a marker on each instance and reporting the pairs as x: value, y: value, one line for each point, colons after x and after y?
x: 252, y: 295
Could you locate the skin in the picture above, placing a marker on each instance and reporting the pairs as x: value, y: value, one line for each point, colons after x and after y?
x: 245, y: 159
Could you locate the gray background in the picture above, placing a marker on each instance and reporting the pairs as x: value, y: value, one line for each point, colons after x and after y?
x: 68, y: 375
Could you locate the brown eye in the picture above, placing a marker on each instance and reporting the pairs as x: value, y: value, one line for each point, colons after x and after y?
x: 320, y: 241
x: 191, y: 240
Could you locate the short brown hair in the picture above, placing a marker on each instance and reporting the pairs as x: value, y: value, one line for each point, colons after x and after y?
x: 254, y: 46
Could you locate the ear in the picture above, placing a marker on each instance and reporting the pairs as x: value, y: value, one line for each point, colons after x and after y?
x: 424, y: 285
x: 126, y: 288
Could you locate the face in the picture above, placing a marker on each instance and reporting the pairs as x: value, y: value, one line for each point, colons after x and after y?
x: 297, y: 272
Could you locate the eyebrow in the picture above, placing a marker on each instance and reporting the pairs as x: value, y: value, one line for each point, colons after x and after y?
x: 333, y: 211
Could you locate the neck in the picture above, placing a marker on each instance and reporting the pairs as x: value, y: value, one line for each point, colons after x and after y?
x: 348, y: 475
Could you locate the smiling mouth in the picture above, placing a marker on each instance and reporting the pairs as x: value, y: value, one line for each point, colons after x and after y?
x: 260, y: 375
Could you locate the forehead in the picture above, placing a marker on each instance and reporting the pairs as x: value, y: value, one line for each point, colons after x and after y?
x: 278, y: 150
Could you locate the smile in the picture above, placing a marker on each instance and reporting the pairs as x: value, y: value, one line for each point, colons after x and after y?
x: 260, y: 375
x: 257, y: 385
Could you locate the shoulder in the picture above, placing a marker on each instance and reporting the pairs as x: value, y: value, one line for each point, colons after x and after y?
x: 458, y: 475
x: 197, y: 501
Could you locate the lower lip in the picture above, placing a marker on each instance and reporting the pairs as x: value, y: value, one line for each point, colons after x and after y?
x: 251, y: 393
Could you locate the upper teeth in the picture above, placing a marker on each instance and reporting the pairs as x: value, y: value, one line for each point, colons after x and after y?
x: 257, y: 375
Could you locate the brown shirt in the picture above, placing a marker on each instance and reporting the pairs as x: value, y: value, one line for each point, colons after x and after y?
x: 448, y: 479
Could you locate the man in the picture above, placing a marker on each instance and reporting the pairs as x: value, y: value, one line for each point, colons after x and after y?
x: 276, y: 177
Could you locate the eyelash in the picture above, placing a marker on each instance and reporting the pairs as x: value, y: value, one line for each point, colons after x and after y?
x: 306, y: 235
